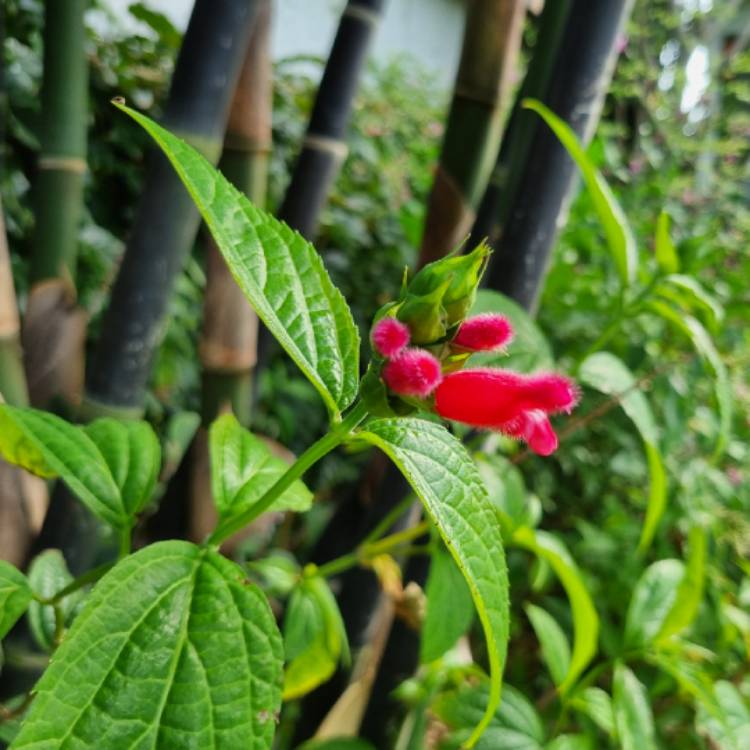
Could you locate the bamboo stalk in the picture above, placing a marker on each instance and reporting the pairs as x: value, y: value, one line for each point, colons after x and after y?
x: 54, y: 327
x: 491, y: 43
x: 545, y: 188
x: 205, y: 76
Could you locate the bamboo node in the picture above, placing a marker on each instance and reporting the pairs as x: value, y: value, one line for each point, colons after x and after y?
x: 362, y: 14
x: 333, y: 146
x: 63, y: 163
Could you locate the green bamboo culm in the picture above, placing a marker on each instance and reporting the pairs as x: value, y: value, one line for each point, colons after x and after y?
x: 166, y: 223
x: 522, y: 125
x: 489, y: 56
x: 228, y: 346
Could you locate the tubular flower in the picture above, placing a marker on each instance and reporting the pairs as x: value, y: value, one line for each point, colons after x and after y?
x: 484, y: 333
x: 414, y: 372
x: 390, y: 337
x: 507, y: 401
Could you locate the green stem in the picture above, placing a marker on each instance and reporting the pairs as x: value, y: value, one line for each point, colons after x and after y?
x: 390, y: 518
x: 311, y: 456
x: 89, y: 576
x: 394, y: 540
x: 125, y: 537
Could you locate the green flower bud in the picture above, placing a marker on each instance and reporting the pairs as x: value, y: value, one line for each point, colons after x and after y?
x: 424, y: 314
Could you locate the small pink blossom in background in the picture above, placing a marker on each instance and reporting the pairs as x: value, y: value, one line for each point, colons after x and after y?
x: 484, y: 333
x: 390, y: 336
x: 414, y: 372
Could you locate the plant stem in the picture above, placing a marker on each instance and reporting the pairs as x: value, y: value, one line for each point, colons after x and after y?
x: 89, y: 576
x: 391, y: 517
x: 125, y: 539
x: 311, y: 456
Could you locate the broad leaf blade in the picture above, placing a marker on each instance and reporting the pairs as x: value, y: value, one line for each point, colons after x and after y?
x: 616, y: 228
x: 243, y: 468
x: 29, y: 436
x: 552, y: 639
x: 280, y: 273
x: 148, y: 663
x: 132, y: 452
x: 633, y: 719
x: 444, y: 477
x: 48, y: 574
x: 690, y: 294
x: 608, y: 374
x: 597, y: 705
x: 15, y: 595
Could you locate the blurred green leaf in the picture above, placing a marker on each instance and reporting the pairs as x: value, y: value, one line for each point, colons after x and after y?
x: 633, y: 718
x: 15, y: 595
x: 666, y: 253
x: 552, y: 639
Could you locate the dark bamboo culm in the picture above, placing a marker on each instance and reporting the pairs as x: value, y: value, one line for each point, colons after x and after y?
x: 575, y: 93
x: 228, y: 345
x: 197, y: 108
x: 54, y: 326
x: 521, y: 126
x: 489, y: 55
x: 205, y: 76
x: 324, y: 147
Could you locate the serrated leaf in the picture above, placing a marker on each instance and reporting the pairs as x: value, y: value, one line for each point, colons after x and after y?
x: 552, y: 639
x: 653, y: 597
x: 173, y: 649
x: 597, y: 705
x: 633, y: 718
x: 49, y: 446
x: 664, y: 249
x: 450, y: 609
x: 15, y: 595
x: 529, y: 351
x: 48, y: 574
x: 243, y: 468
x: 585, y: 619
x: 132, y: 452
x: 608, y: 374
x: 279, y: 271
x: 619, y: 235
x: 445, y: 479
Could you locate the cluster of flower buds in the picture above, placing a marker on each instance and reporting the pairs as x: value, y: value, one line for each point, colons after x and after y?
x: 422, y: 342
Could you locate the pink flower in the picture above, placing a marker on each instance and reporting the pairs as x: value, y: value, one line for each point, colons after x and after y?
x: 484, y: 333
x: 414, y: 372
x: 390, y: 336
x: 507, y: 401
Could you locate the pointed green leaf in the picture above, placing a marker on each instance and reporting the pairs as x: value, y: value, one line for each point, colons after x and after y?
x: 278, y: 270
x: 633, y: 718
x: 616, y: 228
x: 133, y: 454
x: 15, y: 595
x: 608, y: 374
x: 552, y: 639
x: 571, y: 742
x: 173, y: 649
x: 597, y: 705
x: 666, y: 253
x: 50, y: 446
x: 243, y: 468
x: 48, y: 574
x: 690, y: 294
x: 585, y: 620
x: 444, y: 477
x: 450, y: 609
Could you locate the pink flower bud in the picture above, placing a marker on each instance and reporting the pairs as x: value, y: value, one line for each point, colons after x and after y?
x: 484, y: 333
x: 390, y: 336
x: 535, y: 429
x: 414, y: 372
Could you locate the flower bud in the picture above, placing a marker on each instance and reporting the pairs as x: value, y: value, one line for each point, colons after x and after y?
x: 390, y: 336
x: 414, y: 372
x: 424, y: 314
x: 484, y: 333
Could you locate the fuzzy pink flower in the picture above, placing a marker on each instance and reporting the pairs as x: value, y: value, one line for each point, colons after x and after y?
x: 390, y: 336
x: 507, y: 401
x: 484, y: 333
x: 414, y: 372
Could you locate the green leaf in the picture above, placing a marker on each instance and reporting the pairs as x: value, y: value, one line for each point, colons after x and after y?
x: 552, y: 639
x: 666, y: 253
x: 585, y: 620
x: 730, y: 730
x: 597, y: 705
x: 690, y: 589
x: 132, y: 452
x: 243, y: 468
x: 49, y: 446
x: 314, y: 637
x: 506, y: 489
x: 691, y: 295
x: 15, y: 595
x: 173, y: 649
x: 653, y: 598
x: 616, y: 228
x: 444, y: 477
x: 529, y: 350
x: 570, y: 742
x: 633, y: 719
x: 278, y: 573
x: 280, y: 273
x: 449, y: 606
x: 48, y: 574
x: 337, y: 743
x: 706, y: 348
x: 608, y: 374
